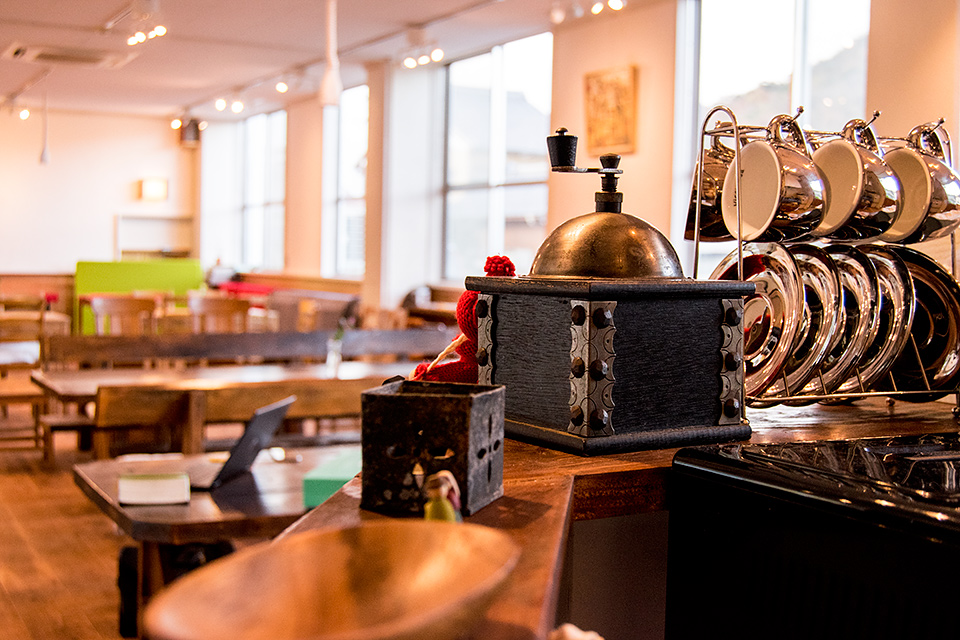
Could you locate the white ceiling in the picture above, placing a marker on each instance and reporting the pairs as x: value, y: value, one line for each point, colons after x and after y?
x: 215, y: 47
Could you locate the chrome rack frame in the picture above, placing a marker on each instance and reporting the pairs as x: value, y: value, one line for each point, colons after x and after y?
x: 738, y: 133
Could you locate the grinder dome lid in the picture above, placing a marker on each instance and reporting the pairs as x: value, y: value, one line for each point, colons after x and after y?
x: 606, y: 245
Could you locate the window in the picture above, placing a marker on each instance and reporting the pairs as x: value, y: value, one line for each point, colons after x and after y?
x: 243, y: 192
x: 346, y: 132
x: 810, y: 53
x: 495, y: 187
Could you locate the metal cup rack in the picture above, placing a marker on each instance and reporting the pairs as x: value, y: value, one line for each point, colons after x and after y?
x: 739, y: 133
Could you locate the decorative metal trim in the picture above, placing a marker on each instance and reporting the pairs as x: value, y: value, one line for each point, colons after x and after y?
x: 485, y: 345
x: 592, y: 329
x: 731, y: 359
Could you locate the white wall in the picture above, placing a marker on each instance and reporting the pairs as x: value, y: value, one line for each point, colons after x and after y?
x: 53, y: 215
x: 642, y: 35
x: 912, y: 69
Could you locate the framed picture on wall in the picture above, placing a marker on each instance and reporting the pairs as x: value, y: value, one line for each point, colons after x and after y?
x: 611, y: 110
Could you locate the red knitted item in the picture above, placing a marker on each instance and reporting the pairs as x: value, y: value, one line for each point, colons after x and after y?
x: 465, y: 369
x: 499, y: 266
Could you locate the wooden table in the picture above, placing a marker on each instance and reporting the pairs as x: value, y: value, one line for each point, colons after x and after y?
x: 545, y: 490
x: 259, y: 505
x: 81, y: 385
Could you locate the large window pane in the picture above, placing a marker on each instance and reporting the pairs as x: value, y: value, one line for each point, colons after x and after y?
x: 837, y: 51
x: 345, y: 187
x: 354, y: 131
x: 467, y: 230
x: 746, y: 58
x: 498, y: 121
x: 468, y: 130
x: 276, y: 169
x: 527, y: 66
x: 243, y: 191
x: 351, y: 223
x: 525, y: 208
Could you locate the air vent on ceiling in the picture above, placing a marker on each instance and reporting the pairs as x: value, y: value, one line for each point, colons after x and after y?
x: 45, y: 54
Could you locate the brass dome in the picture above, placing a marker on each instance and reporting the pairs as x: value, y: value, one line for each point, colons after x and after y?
x: 606, y: 245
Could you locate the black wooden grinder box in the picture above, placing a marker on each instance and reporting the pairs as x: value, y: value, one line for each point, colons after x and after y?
x: 596, y: 366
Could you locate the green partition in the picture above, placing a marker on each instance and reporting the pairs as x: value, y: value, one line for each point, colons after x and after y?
x: 173, y: 275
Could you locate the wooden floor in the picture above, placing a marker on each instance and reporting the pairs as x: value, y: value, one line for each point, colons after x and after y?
x: 58, y: 552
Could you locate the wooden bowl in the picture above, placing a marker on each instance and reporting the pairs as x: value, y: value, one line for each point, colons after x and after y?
x: 392, y: 579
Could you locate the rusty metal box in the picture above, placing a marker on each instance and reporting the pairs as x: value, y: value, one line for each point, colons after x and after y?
x: 411, y: 430
x: 597, y: 366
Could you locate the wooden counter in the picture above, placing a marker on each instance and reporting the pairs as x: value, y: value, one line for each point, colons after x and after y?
x: 545, y: 490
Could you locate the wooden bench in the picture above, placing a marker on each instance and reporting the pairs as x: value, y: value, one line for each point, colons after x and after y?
x: 287, y: 346
x: 232, y: 403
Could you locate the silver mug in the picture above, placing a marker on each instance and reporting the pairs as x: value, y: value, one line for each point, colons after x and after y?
x: 782, y: 191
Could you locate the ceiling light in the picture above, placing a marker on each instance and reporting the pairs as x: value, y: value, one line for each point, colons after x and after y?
x: 616, y: 5
x: 420, y: 51
x: 176, y: 123
x: 236, y: 106
x: 557, y: 14
x: 220, y: 104
x: 282, y: 87
x: 596, y: 8
x: 24, y: 114
x: 144, y: 19
x: 202, y: 125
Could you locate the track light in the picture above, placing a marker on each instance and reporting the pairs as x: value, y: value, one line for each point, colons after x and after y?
x: 563, y: 10
x: 146, y: 21
x: 420, y: 51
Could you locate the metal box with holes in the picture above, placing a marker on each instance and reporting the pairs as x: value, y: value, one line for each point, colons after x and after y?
x: 597, y: 366
x: 411, y: 430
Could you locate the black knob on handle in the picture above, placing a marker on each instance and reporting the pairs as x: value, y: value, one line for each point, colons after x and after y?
x: 562, y: 149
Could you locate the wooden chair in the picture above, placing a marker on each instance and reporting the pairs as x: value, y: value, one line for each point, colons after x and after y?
x: 139, y: 419
x: 431, y: 305
x: 218, y: 314
x: 21, y: 337
x: 115, y: 315
x: 124, y: 315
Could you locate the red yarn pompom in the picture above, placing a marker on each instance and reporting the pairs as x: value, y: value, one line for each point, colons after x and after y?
x: 499, y: 266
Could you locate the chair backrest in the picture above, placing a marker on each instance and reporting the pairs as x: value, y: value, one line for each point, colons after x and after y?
x: 123, y: 315
x: 128, y: 406
x: 21, y: 339
x: 306, y: 310
x: 218, y: 314
x: 22, y: 303
x: 315, y: 398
